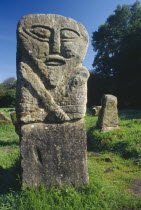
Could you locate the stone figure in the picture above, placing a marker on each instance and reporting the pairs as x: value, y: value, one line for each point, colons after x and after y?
x: 51, y: 78
x: 96, y: 110
x: 51, y: 99
x: 108, y: 116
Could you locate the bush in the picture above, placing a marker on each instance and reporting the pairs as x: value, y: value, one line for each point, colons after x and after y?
x: 8, y: 93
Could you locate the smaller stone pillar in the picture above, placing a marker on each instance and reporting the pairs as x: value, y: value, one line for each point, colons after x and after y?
x: 108, y: 116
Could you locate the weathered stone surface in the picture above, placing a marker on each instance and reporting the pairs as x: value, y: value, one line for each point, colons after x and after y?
x: 108, y: 116
x: 136, y: 187
x: 94, y: 155
x: 15, y: 122
x: 51, y: 79
x: 108, y: 170
x: 96, y: 110
x: 52, y: 88
x: 4, y: 119
x: 13, y: 118
x: 54, y: 154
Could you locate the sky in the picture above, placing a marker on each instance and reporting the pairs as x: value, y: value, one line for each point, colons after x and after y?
x: 90, y: 13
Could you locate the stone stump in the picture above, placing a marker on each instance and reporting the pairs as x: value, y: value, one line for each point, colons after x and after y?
x: 51, y: 100
x: 4, y: 119
x: 108, y: 116
x: 96, y: 110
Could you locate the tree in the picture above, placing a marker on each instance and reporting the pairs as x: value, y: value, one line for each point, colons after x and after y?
x: 2, y: 90
x: 10, y: 83
x: 118, y: 46
x: 8, y: 92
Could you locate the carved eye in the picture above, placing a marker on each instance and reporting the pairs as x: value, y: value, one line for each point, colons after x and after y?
x: 68, y: 35
x: 41, y: 32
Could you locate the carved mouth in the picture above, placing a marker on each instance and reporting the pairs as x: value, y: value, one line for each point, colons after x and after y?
x: 55, y: 60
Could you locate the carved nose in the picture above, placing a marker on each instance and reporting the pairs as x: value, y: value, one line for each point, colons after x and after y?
x: 56, y: 43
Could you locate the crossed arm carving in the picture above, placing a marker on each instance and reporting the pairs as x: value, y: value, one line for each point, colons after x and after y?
x: 54, y: 111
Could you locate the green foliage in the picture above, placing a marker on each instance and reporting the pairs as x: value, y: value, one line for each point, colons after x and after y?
x: 96, y: 196
x: 9, y: 83
x: 97, y: 86
x: 2, y: 90
x: 8, y: 137
x: 9, y: 170
x: 125, y: 142
x: 118, y: 47
x: 105, y: 191
x: 118, y: 35
x: 8, y: 93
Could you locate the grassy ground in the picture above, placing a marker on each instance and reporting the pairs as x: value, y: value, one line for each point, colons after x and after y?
x: 114, y: 161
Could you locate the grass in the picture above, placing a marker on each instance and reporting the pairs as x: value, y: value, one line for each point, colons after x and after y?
x: 8, y: 137
x: 125, y: 142
x: 118, y: 151
x: 7, y: 111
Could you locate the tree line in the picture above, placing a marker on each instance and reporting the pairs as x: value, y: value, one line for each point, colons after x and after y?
x: 117, y: 64
x: 8, y: 92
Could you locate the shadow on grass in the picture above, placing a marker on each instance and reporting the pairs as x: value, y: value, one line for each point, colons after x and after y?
x: 102, y: 142
x: 13, y: 143
x: 122, y: 148
x: 10, y: 179
x: 130, y: 114
x: 92, y: 143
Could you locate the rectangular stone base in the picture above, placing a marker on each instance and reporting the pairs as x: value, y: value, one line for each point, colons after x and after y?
x: 54, y: 154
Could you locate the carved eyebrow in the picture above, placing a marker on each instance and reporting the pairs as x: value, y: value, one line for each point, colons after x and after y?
x: 29, y: 30
x: 36, y: 26
x: 42, y: 26
x: 69, y: 29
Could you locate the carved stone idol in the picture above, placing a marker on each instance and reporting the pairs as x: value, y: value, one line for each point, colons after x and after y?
x: 51, y: 99
x: 108, y: 116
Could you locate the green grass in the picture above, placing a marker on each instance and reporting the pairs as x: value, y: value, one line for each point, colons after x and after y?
x: 6, y: 111
x: 125, y: 142
x: 105, y: 190
x: 8, y: 137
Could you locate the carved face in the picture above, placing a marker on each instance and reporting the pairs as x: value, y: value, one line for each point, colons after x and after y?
x: 53, y: 40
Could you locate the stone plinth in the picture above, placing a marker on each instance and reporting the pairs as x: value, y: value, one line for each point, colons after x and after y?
x: 108, y: 116
x: 54, y: 154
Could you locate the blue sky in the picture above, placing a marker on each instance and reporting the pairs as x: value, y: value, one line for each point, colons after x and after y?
x: 90, y: 13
